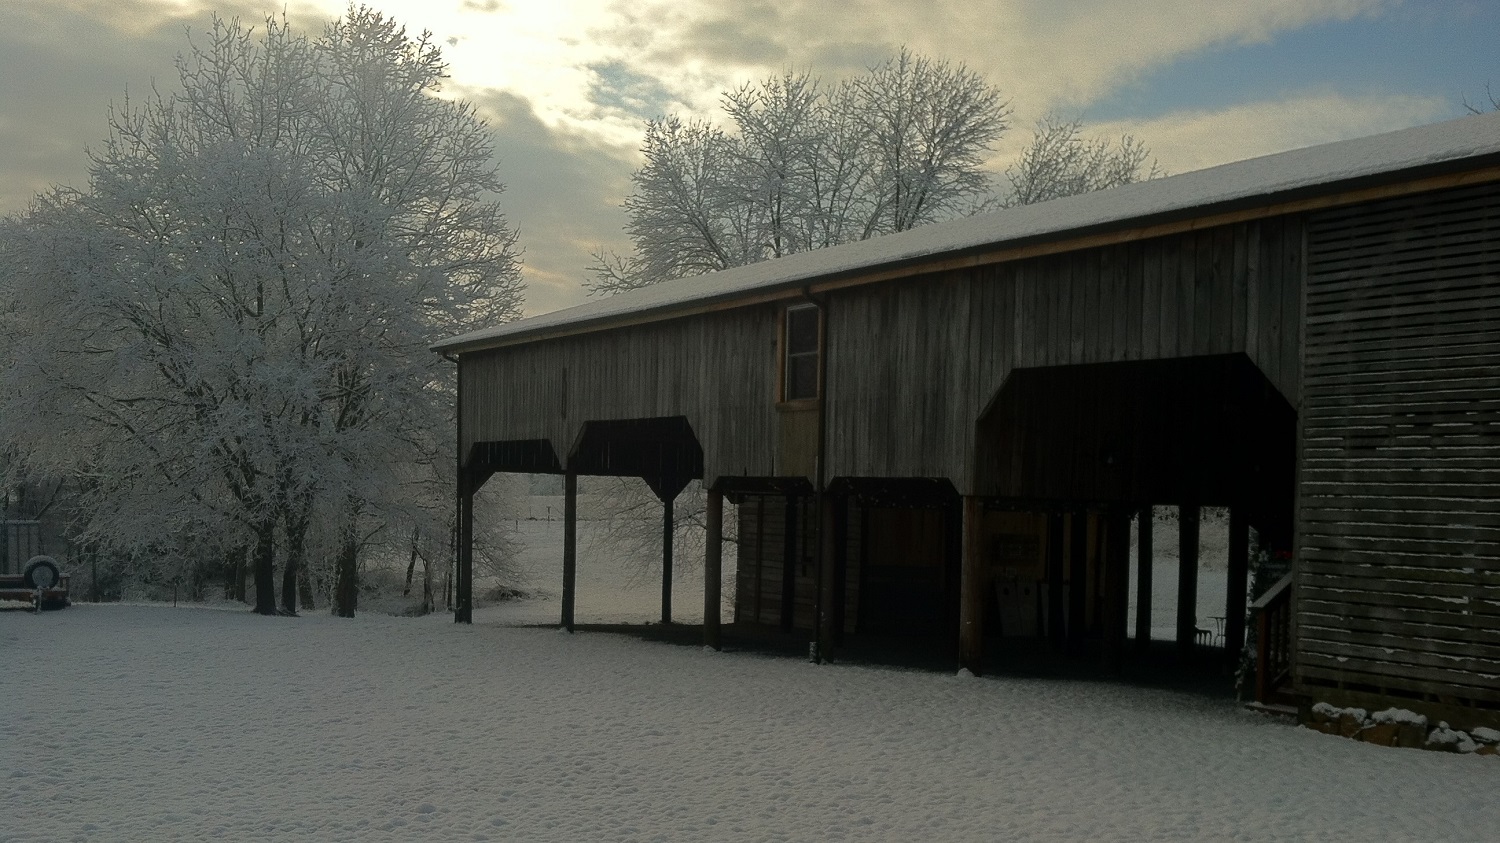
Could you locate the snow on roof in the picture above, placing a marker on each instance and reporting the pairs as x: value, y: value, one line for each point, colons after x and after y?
x: 1311, y: 170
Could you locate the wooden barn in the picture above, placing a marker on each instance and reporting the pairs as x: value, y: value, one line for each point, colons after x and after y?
x: 948, y: 431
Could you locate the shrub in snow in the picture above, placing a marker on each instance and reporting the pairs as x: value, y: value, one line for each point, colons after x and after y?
x: 1484, y: 734
x: 1450, y: 740
x: 1332, y: 720
x: 1328, y: 712
x: 1400, y: 716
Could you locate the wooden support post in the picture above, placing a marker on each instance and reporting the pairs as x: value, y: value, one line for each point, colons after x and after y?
x: 1057, y: 630
x: 1238, y: 584
x: 463, y: 610
x: 570, y: 547
x: 1116, y: 594
x: 713, y: 554
x: 666, y: 562
x: 971, y: 588
x: 953, y: 571
x: 1078, y: 580
x: 463, y: 606
x: 790, y: 550
x: 840, y: 558
x: 1187, y: 580
x: 827, y: 572
x: 1143, y: 584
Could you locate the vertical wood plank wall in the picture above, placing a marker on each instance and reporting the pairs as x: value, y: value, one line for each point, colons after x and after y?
x: 761, y: 548
x: 916, y: 361
x: 1399, y: 501
x: 718, y: 370
x: 913, y: 362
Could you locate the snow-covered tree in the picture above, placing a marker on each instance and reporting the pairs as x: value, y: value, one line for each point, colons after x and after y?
x: 806, y: 167
x: 1061, y: 161
x: 224, y: 334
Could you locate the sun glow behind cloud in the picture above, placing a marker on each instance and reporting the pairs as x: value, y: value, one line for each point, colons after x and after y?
x: 567, y: 84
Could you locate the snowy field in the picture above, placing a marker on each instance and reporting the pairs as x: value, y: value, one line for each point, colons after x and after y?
x: 146, y: 723
x: 152, y: 723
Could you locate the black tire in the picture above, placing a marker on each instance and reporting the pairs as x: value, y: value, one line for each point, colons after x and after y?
x: 50, y: 575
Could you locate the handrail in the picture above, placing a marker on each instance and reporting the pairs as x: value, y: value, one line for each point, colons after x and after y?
x: 1273, y: 592
x: 1273, y: 639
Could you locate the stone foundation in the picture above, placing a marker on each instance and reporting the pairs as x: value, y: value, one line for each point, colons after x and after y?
x: 1399, y: 727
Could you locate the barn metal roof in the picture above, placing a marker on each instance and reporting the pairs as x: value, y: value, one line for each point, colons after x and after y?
x: 1465, y: 144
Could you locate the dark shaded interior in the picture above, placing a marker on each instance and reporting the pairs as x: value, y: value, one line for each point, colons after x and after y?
x: 1204, y: 431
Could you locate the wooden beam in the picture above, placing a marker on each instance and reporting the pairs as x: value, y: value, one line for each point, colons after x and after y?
x: 1187, y: 579
x: 464, y: 602
x: 463, y: 611
x: 1238, y: 582
x: 1143, y: 583
x: 570, y: 547
x: 971, y: 589
x: 789, y: 552
x: 840, y: 557
x: 666, y: 562
x: 1057, y: 631
x: 953, y: 570
x: 760, y: 555
x: 1078, y: 579
x: 713, y: 553
x: 1116, y: 586
x: 828, y: 573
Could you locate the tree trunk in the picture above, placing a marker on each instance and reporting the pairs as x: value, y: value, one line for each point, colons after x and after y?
x: 429, y: 602
x: 346, y: 572
x: 231, y: 574
x: 241, y: 575
x: 305, y: 590
x: 296, y: 551
x: 411, y: 566
x: 265, y: 567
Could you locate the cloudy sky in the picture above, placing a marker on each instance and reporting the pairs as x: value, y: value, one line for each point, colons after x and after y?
x: 566, y: 84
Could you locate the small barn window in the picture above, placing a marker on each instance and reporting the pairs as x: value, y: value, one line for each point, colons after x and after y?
x: 802, y: 341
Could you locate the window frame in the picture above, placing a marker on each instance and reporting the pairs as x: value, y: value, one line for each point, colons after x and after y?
x: 785, y: 356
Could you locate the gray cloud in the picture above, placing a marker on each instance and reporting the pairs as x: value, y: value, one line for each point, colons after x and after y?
x: 562, y: 191
x: 64, y: 64
x: 1046, y: 55
x: 619, y: 88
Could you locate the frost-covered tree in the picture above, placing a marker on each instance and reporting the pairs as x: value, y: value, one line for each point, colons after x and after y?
x: 1061, y: 161
x: 807, y: 166
x: 630, y: 524
x: 224, y: 334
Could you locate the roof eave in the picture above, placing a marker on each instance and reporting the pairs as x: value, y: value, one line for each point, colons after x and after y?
x: 1486, y: 167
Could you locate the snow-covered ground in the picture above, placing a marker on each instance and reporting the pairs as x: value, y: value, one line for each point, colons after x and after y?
x: 142, y: 723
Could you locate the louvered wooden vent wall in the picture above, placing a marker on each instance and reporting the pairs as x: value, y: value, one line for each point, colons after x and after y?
x: 1399, y: 575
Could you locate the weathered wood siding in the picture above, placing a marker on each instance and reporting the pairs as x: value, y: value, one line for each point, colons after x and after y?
x: 913, y: 363
x: 761, y: 548
x: 717, y: 369
x: 1399, y: 510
